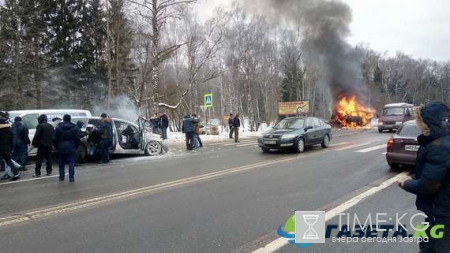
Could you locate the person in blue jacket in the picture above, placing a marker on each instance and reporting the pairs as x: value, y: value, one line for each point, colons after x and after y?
x: 188, y: 129
x: 106, y: 133
x: 431, y: 182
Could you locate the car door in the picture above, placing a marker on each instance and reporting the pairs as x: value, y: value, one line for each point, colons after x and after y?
x: 319, y: 130
x: 142, y: 137
x: 310, y: 134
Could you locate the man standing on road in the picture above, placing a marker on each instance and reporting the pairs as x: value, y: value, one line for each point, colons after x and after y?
x: 43, y: 140
x: 155, y: 123
x: 230, y: 125
x: 163, y: 124
x: 21, y: 142
x: 431, y: 182
x: 236, y: 126
x: 66, y: 141
x: 197, y: 141
x: 106, y: 137
x: 188, y: 129
x: 6, y: 144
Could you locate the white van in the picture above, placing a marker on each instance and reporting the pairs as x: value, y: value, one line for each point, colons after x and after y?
x: 29, y: 119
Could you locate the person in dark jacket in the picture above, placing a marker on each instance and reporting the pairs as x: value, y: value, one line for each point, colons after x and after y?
x: 188, y: 129
x: 105, y: 130
x: 154, y: 121
x: 431, y: 183
x: 197, y: 141
x: 230, y: 125
x: 66, y: 140
x: 21, y: 142
x: 163, y: 124
x: 43, y: 140
x: 236, y: 126
x: 6, y: 144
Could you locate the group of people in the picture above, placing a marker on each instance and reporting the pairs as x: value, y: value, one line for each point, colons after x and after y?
x: 65, y: 137
x: 234, y: 123
x: 160, y: 123
x: 191, y: 128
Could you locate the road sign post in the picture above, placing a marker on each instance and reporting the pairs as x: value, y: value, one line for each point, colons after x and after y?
x: 208, y: 100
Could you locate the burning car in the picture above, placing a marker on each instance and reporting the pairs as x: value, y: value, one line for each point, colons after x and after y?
x: 128, y: 138
x: 350, y: 113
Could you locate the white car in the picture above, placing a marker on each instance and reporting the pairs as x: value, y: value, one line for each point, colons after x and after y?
x: 137, y: 140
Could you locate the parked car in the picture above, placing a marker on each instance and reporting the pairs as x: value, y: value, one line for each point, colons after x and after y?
x: 29, y: 119
x: 403, y: 146
x: 394, y: 115
x: 210, y: 128
x: 296, y: 133
x: 128, y: 138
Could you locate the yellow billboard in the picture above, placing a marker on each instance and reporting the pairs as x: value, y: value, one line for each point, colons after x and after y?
x: 293, y: 108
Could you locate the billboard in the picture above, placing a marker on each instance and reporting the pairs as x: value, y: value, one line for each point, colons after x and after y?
x: 293, y: 108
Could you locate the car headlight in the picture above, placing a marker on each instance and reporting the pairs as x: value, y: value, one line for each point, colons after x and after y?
x: 288, y: 136
x: 398, y: 123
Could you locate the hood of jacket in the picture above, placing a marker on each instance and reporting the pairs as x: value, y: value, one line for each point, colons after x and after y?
x: 42, y: 119
x: 66, y: 125
x: 187, y: 116
x: 433, y: 120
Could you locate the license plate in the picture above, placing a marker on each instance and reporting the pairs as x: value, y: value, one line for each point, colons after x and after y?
x: 411, y: 147
x: 270, y: 142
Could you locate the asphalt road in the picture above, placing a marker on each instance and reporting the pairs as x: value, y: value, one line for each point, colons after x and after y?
x: 225, y: 197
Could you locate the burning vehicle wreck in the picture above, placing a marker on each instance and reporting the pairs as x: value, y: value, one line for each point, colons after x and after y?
x: 128, y: 138
x: 349, y: 113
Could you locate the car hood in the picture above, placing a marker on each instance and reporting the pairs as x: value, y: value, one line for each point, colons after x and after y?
x: 282, y: 131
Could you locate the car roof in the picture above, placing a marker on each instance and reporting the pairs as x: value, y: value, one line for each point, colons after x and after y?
x: 50, y: 110
x: 97, y: 117
x: 398, y: 105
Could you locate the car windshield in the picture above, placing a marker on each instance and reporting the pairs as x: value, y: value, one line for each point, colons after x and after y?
x: 393, y: 111
x: 290, y: 124
x: 410, y: 130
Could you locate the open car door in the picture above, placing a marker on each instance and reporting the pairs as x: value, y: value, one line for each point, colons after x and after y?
x: 142, y: 138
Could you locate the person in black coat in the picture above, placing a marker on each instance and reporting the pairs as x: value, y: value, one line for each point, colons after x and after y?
x: 163, y: 124
x: 106, y: 135
x: 6, y: 144
x: 236, y: 126
x: 43, y: 140
x: 21, y: 142
x: 66, y: 140
x: 188, y: 129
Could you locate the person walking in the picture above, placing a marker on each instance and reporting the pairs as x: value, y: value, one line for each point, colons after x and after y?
x: 43, y: 140
x: 105, y: 130
x: 6, y: 144
x: 21, y: 142
x: 236, y: 126
x: 188, y: 129
x: 163, y: 124
x: 230, y: 125
x: 66, y: 140
x: 431, y: 183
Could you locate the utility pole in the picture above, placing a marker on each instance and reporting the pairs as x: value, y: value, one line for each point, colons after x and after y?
x: 108, y: 48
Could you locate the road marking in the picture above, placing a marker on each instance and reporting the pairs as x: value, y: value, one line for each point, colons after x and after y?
x: 244, y: 145
x: 60, y: 209
x: 339, y: 144
x: 30, y: 179
x: 281, y: 242
x: 371, y: 148
x: 354, y: 146
x: 384, y: 153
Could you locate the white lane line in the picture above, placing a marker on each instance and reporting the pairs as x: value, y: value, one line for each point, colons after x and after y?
x: 281, y: 242
x: 371, y: 148
x: 339, y: 144
x: 30, y: 179
x: 28, y: 216
x: 354, y: 146
x: 244, y: 145
x: 384, y: 153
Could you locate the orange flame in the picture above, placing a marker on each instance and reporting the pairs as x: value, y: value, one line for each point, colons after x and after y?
x: 351, y: 114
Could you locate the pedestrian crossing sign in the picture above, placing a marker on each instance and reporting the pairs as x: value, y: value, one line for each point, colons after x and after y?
x: 208, y: 100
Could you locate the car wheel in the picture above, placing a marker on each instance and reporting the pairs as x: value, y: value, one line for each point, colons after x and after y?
x: 326, y: 141
x: 153, y: 148
x: 300, y: 145
x: 81, y: 154
x: 265, y: 150
x: 380, y: 130
x: 394, y: 166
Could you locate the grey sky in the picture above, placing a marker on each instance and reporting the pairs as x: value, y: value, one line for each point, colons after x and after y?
x: 417, y: 27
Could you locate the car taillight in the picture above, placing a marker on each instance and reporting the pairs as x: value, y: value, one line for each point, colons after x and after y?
x: 390, y: 143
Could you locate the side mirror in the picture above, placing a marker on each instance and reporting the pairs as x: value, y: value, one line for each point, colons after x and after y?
x: 308, y: 127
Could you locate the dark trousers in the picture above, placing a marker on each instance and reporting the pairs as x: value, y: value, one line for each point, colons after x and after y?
x: 441, y: 245
x: 43, y: 153
x: 231, y: 132
x: 189, y: 141
x: 20, y: 154
x: 199, y: 140
x: 66, y: 158
x: 7, y: 158
x: 104, y: 147
x: 236, y: 134
x: 164, y: 133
